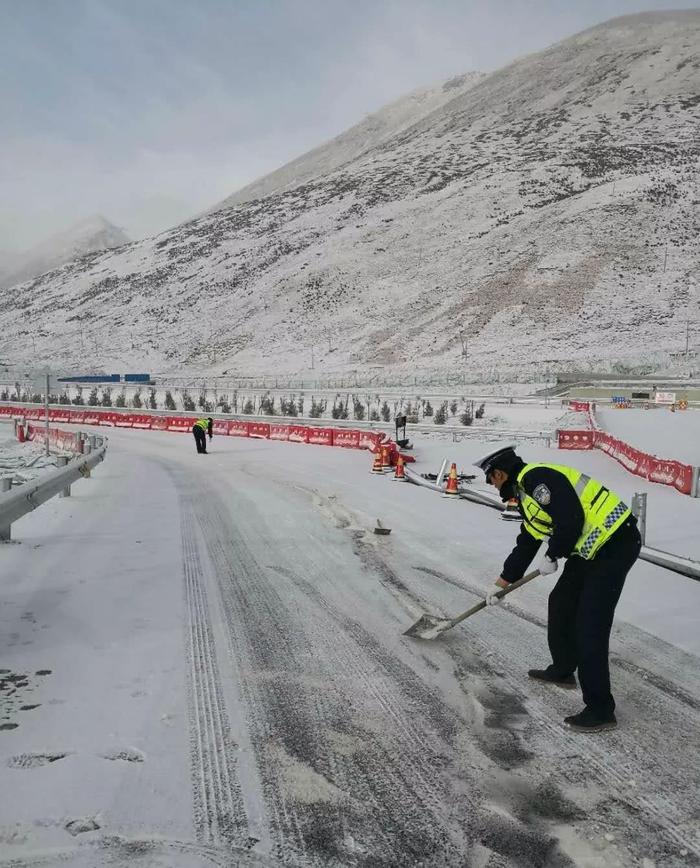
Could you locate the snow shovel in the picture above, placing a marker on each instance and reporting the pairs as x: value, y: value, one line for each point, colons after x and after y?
x: 432, y: 626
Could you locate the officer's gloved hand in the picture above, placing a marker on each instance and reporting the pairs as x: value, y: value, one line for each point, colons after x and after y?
x: 491, y: 599
x: 548, y: 566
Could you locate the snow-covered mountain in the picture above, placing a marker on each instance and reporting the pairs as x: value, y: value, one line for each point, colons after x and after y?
x: 88, y: 236
x: 548, y: 212
x: 369, y: 133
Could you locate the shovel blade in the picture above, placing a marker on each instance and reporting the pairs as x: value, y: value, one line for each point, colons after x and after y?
x: 428, y: 627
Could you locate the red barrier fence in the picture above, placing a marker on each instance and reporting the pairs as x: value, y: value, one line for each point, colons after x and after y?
x: 579, y: 406
x: 318, y: 435
x: 298, y: 433
x: 279, y: 432
x: 321, y: 436
x: 667, y: 472
x: 575, y: 439
x: 64, y: 440
x: 260, y: 430
x: 345, y: 437
x: 238, y: 428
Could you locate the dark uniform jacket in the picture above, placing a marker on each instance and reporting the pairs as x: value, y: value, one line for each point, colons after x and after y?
x: 567, y: 515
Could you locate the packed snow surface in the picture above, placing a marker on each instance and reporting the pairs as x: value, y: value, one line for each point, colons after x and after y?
x: 203, y: 664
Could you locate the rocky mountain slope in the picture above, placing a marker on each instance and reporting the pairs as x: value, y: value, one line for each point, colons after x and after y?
x: 548, y: 213
x: 88, y: 236
x: 369, y: 133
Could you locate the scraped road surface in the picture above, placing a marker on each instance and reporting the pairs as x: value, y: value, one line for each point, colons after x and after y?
x: 203, y: 665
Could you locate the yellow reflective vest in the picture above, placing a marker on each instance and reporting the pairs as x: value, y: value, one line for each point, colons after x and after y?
x: 603, y: 510
x: 202, y: 423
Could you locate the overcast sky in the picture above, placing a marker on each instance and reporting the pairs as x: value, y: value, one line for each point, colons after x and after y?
x: 148, y: 111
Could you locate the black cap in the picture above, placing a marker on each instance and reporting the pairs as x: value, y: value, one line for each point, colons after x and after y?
x: 503, y: 458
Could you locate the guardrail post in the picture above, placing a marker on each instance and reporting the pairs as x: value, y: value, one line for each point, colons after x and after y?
x: 639, y: 510
x: 62, y: 460
x: 91, y: 446
x: 5, y: 532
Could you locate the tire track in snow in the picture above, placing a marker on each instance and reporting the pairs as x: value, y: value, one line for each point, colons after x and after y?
x: 219, y: 812
x: 332, y: 712
x: 287, y: 716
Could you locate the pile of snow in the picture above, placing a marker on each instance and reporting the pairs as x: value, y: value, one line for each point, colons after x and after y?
x: 22, y: 461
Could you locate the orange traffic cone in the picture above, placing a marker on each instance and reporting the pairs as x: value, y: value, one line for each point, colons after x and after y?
x: 385, y: 451
x: 377, y: 464
x: 511, y: 512
x: 452, y: 487
x: 399, y: 474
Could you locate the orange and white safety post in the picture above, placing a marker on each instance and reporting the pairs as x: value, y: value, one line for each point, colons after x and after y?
x: 385, y: 451
x: 399, y: 473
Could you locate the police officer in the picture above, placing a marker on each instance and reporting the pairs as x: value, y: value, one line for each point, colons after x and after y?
x: 200, y: 429
x: 589, y: 525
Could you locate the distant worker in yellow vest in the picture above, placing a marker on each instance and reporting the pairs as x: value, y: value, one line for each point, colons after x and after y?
x: 200, y: 429
x: 594, y: 530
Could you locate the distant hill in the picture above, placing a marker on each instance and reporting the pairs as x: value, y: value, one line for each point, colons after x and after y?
x: 90, y: 235
x: 542, y: 217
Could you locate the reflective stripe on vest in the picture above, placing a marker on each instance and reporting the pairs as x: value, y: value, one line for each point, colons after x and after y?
x: 603, y: 510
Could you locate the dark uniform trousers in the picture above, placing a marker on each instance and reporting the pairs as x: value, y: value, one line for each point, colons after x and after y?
x: 581, y: 609
x: 200, y: 438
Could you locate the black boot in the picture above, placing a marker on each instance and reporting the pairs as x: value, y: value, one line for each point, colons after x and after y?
x: 568, y: 682
x: 591, y: 721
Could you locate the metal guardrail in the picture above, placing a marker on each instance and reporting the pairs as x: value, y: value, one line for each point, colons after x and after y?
x: 30, y: 495
x: 675, y: 563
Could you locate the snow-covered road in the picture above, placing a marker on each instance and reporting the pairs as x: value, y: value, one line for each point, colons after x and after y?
x: 203, y: 657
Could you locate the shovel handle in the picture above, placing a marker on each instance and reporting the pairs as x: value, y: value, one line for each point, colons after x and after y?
x: 500, y: 594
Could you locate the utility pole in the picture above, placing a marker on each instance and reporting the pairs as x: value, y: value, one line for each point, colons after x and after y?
x: 46, y: 412
x: 312, y: 357
x: 665, y: 258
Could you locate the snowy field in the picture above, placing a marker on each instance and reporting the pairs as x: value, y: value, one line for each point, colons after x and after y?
x: 658, y: 431
x: 204, y: 665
